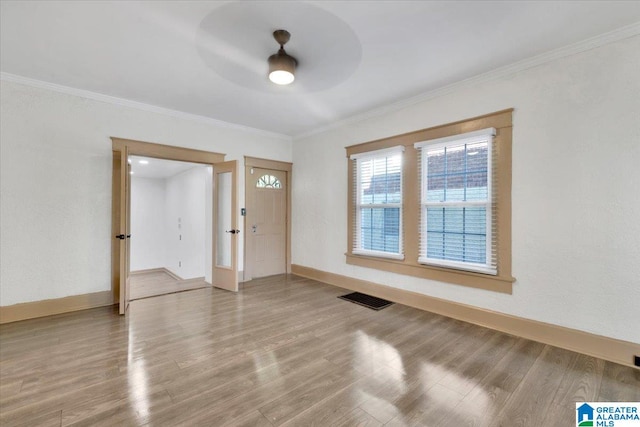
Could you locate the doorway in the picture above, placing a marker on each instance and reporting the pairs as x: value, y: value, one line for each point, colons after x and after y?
x: 224, y: 208
x: 171, y: 226
x: 267, y: 221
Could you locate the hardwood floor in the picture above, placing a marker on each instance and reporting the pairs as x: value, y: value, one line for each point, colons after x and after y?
x: 154, y: 283
x: 285, y: 351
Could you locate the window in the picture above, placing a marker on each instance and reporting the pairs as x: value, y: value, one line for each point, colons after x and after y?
x: 378, y: 203
x: 435, y: 203
x: 268, y: 181
x: 456, y: 215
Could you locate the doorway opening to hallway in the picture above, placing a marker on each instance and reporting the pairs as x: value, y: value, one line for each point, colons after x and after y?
x: 171, y: 226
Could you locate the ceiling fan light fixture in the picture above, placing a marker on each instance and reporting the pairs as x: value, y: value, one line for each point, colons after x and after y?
x: 281, y: 77
x: 282, y: 67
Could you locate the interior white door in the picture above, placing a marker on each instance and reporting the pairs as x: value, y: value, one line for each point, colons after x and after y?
x: 267, y: 222
x: 225, y: 226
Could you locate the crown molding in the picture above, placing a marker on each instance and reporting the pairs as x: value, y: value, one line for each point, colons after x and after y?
x: 14, y: 78
x: 582, y: 46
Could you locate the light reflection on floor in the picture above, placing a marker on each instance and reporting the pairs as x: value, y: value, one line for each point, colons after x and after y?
x: 267, y: 367
x: 137, y: 380
x: 437, y: 387
x: 373, y: 353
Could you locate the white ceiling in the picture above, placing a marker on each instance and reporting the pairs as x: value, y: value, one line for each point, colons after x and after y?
x: 210, y: 58
x: 159, y: 168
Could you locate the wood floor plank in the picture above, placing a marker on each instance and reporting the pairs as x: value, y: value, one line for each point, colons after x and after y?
x: 581, y: 382
x: 336, y: 408
x: 479, y: 408
x: 307, y: 395
x: 428, y: 408
x: 10, y: 388
x: 530, y: 402
x: 470, y: 373
x: 50, y: 419
x: 233, y: 400
x: 356, y: 418
x: 115, y: 410
x: 560, y: 415
x: 619, y: 384
x: 285, y: 351
x: 482, y: 405
x: 417, y: 374
x: 510, y: 372
x: 252, y: 419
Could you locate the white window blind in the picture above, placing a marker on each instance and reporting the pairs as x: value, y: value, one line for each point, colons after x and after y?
x: 458, y: 218
x: 378, y: 203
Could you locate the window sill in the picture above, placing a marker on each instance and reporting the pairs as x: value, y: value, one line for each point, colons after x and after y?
x: 502, y: 284
x: 378, y: 255
x: 474, y: 268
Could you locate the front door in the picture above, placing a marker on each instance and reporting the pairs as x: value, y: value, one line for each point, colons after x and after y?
x: 225, y: 220
x: 267, y: 222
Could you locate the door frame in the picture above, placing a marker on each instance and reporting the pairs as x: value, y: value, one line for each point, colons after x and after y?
x: 256, y: 162
x: 146, y: 149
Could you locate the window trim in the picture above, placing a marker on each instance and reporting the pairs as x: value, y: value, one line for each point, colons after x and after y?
x: 424, y: 147
x: 357, y: 235
x: 503, y: 281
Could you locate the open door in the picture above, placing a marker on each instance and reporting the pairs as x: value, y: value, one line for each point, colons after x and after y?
x: 225, y: 226
x: 125, y: 229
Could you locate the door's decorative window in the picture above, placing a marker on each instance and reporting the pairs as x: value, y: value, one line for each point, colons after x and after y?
x: 268, y: 181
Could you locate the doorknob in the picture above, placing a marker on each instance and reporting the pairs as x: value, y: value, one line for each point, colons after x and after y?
x: 233, y: 231
x: 254, y: 227
x: 120, y: 236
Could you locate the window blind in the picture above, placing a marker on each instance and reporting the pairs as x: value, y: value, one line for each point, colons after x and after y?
x: 378, y: 203
x: 457, y: 208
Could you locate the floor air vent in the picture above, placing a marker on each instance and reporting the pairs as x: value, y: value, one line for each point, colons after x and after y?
x: 367, y: 300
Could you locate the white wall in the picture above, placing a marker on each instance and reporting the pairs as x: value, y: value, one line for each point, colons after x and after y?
x: 148, y: 246
x: 185, y: 223
x: 576, y: 197
x: 171, y: 223
x: 55, y: 183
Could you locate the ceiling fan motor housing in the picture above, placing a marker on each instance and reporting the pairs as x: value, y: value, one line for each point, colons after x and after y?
x: 281, y: 62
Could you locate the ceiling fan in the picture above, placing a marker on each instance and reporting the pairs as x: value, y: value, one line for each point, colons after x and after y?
x: 282, y: 66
